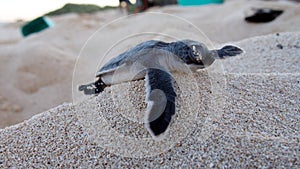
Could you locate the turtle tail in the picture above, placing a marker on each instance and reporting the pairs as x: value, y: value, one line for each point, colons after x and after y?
x: 93, y: 88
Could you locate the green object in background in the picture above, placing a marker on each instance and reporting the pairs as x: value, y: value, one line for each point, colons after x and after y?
x: 198, y: 2
x: 36, y: 25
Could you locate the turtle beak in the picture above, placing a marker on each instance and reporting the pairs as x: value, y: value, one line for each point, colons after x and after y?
x: 199, y: 58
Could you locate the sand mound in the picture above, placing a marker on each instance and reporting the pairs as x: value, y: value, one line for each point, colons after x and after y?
x: 36, y: 72
x: 247, y: 117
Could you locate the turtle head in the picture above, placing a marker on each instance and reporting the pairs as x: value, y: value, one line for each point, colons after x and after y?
x: 200, y: 56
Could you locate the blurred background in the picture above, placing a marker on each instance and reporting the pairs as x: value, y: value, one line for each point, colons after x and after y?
x: 27, y: 10
x: 15, y: 10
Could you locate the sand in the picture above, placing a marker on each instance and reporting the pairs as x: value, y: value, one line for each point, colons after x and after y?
x: 36, y: 72
x: 254, y: 124
x: 245, y: 113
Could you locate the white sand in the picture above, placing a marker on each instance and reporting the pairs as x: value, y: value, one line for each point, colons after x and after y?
x: 36, y: 72
x: 247, y: 117
x: 252, y: 120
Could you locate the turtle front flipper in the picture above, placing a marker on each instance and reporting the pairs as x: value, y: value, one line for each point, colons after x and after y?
x: 93, y: 88
x: 227, y: 51
x: 160, y: 96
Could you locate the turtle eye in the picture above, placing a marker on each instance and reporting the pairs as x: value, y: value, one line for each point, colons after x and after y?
x: 195, y: 52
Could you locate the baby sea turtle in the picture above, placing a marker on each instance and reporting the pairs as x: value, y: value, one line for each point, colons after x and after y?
x: 154, y: 61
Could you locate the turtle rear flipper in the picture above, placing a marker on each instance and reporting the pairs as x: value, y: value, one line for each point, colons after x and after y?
x: 93, y: 88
